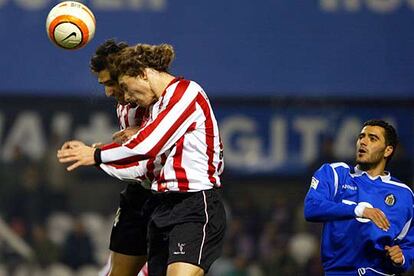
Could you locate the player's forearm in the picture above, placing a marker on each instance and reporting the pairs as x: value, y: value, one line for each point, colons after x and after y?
x: 117, y: 155
x: 132, y: 172
x: 320, y: 210
x: 149, y: 143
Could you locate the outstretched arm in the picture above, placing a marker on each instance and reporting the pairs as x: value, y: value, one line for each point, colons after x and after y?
x: 321, y: 206
x: 156, y: 137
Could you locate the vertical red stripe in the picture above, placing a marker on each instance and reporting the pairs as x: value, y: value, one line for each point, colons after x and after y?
x: 150, y: 169
x: 140, y: 115
x: 180, y: 173
x: 178, y: 93
x: 126, y: 119
x: 161, y: 176
x: 187, y: 112
x: 209, y: 126
x: 162, y: 186
x: 119, y: 114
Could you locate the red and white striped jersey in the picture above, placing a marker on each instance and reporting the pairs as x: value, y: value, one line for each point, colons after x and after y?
x: 182, y: 121
x: 143, y: 171
x: 129, y: 115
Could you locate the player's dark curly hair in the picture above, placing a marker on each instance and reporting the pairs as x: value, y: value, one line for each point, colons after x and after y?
x: 390, y: 134
x: 99, y: 60
x: 133, y: 60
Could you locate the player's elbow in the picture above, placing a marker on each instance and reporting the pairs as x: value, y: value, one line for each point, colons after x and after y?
x: 309, y: 215
x: 310, y: 211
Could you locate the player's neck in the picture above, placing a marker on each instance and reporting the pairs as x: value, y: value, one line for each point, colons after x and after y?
x: 159, y: 82
x: 373, y: 171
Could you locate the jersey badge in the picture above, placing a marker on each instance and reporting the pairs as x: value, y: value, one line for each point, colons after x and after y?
x: 390, y: 200
x: 314, y: 183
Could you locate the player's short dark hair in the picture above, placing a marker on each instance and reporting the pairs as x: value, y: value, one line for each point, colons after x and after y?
x: 99, y: 60
x: 390, y: 134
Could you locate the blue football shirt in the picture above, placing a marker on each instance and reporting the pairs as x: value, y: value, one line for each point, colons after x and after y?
x: 351, y: 244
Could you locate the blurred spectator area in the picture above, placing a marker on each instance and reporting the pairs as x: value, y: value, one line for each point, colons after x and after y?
x: 271, y: 150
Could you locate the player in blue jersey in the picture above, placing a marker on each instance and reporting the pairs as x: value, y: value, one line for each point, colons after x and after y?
x: 367, y: 213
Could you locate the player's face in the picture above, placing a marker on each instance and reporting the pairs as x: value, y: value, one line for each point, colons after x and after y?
x: 112, y: 88
x: 137, y: 90
x: 371, y: 147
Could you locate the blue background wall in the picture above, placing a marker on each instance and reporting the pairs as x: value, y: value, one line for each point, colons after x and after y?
x: 259, y: 139
x: 338, y: 48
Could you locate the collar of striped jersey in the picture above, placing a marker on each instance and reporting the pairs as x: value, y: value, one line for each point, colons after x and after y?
x: 386, y: 177
x: 171, y: 83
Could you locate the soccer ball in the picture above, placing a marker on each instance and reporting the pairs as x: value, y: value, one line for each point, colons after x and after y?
x: 70, y: 25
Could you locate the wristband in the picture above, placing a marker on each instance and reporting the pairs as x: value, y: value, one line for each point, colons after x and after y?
x: 97, y: 156
x: 359, y: 210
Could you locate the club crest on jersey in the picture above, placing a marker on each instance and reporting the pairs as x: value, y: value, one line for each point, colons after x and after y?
x: 314, y: 183
x: 181, y: 249
x: 390, y: 200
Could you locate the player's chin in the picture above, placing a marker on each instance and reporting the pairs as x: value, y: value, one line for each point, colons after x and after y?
x: 361, y: 157
x: 362, y: 161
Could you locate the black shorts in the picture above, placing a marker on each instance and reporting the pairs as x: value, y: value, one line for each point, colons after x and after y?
x: 129, y: 230
x: 186, y: 227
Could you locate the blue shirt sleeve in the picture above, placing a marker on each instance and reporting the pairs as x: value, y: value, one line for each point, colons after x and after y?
x: 407, y: 247
x: 320, y: 205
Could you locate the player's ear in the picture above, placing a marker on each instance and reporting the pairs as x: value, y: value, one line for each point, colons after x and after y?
x: 145, y: 74
x: 388, y: 151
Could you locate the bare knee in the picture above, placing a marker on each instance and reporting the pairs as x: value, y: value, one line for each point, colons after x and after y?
x: 179, y: 269
x: 126, y: 265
